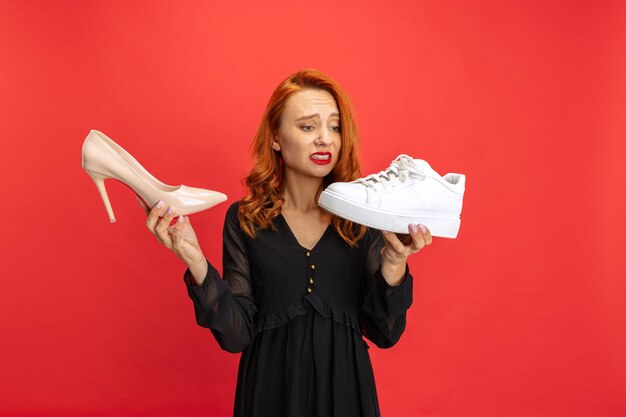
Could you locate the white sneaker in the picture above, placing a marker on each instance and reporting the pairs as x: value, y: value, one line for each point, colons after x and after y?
x: 409, y: 191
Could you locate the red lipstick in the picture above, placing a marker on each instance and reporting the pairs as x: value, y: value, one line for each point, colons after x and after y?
x: 321, y: 158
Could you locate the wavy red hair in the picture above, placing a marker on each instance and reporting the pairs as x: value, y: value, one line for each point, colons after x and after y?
x: 263, y: 203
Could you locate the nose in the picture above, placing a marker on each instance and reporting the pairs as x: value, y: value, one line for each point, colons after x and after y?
x: 324, y: 138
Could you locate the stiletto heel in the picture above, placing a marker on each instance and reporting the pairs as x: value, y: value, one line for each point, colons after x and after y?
x: 99, y: 180
x: 102, y: 158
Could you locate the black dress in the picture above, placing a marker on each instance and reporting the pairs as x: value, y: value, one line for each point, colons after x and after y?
x: 299, y: 316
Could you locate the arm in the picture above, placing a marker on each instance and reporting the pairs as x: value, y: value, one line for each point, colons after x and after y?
x: 389, y: 286
x: 384, y: 307
x: 226, y: 306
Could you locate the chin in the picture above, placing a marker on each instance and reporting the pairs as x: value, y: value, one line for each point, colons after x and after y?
x: 321, y: 173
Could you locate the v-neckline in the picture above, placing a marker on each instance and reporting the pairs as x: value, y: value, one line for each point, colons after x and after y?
x: 295, y: 239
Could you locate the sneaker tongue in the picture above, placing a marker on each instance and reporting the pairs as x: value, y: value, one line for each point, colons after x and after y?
x: 414, y: 165
x: 402, y: 162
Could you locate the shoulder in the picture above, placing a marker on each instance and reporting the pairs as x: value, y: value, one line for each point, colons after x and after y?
x: 372, y: 234
x: 232, y: 210
x: 371, y: 237
x: 232, y: 217
x: 373, y: 240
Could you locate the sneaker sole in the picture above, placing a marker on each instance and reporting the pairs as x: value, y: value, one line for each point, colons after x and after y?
x: 398, y: 222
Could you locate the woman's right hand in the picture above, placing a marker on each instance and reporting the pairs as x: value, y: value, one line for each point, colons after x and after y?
x: 179, y: 238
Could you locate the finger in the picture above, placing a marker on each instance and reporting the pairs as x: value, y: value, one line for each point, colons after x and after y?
x: 417, y: 237
x: 177, y: 232
x: 405, y: 238
x: 170, y: 229
x: 154, y: 215
x: 393, y: 242
x: 428, y: 239
x: 161, y: 228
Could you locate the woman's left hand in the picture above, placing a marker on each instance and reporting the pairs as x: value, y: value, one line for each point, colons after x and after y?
x: 398, y: 249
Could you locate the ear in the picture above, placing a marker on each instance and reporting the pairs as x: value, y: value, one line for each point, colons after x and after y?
x: 275, y: 145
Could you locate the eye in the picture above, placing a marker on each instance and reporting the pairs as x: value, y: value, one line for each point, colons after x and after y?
x: 336, y: 128
x: 307, y: 128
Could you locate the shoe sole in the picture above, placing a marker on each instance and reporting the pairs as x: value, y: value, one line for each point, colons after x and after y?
x: 397, y: 222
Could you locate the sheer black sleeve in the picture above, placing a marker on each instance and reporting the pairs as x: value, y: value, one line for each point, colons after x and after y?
x: 383, y: 313
x: 226, y: 306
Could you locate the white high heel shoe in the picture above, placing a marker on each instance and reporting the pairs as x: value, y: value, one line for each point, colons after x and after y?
x: 103, y: 158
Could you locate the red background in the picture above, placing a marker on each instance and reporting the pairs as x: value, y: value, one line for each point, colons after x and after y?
x: 524, y: 314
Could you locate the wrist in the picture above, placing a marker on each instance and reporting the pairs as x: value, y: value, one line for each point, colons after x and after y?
x: 199, y: 270
x: 393, y: 272
x: 197, y: 264
x: 393, y: 261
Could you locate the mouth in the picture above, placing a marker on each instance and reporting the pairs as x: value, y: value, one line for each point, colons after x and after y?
x: 321, y: 158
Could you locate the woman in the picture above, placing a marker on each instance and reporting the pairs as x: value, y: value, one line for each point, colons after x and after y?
x: 300, y: 287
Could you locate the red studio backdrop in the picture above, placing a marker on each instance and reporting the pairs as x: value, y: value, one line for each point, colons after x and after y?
x: 524, y: 314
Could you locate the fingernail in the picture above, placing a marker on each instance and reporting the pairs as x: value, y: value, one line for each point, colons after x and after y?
x: 180, y: 219
x: 159, y: 204
x: 413, y: 228
x: 422, y: 228
x: 170, y: 210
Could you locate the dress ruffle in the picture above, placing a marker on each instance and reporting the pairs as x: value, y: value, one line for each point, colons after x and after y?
x: 309, y: 301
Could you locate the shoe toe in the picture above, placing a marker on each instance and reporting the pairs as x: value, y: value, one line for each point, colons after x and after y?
x: 194, y: 200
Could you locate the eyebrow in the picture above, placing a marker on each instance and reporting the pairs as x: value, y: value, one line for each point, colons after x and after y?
x: 311, y: 116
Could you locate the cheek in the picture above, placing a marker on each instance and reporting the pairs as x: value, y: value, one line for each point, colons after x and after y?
x: 293, y: 150
x: 338, y: 142
x: 286, y: 142
x: 292, y: 147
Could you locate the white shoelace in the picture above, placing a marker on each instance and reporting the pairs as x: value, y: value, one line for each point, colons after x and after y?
x: 400, y: 169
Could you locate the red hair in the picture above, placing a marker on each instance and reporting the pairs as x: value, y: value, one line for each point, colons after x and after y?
x: 263, y: 203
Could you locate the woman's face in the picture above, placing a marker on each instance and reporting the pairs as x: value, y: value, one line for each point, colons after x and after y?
x: 309, y: 136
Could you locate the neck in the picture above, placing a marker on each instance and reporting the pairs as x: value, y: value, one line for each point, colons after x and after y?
x: 299, y: 191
